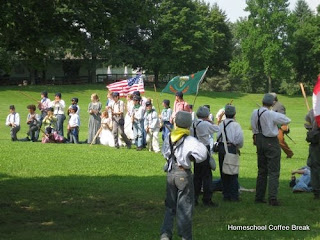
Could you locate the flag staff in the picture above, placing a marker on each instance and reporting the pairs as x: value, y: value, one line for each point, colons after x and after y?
x: 304, y: 95
x: 199, y: 85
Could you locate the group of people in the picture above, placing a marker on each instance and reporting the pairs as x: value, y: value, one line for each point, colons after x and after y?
x: 187, y: 137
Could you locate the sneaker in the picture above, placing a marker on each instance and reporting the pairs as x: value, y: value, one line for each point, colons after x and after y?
x: 129, y: 146
x: 274, y: 202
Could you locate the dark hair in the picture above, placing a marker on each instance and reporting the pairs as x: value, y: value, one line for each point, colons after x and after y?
x: 31, y: 107
x: 230, y: 116
x: 58, y: 95
x: 44, y: 93
x: 12, y: 107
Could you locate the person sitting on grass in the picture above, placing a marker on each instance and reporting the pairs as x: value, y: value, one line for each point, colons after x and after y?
x: 106, y: 136
x: 303, y: 184
x: 52, y: 136
x: 49, y: 120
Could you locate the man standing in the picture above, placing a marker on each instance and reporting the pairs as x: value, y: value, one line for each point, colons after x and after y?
x: 284, y: 128
x: 117, y: 108
x: 180, y: 149
x: 264, y: 127
x: 313, y: 137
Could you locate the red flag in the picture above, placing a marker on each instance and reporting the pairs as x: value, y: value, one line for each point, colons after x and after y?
x: 316, y: 101
x: 125, y: 87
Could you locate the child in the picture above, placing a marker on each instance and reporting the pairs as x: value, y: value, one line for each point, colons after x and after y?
x: 137, y: 120
x: 74, y: 124
x: 74, y: 102
x: 127, y: 119
x: 52, y: 136
x: 152, y: 127
x: 234, y: 140
x: 106, y: 136
x: 179, y: 149
x: 165, y: 117
x: 43, y: 105
x: 33, y: 120
x: 201, y: 129
x: 13, y: 121
x: 49, y: 120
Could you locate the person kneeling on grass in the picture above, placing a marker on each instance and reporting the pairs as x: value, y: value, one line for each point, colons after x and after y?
x: 13, y: 121
x: 179, y: 149
x: 33, y: 121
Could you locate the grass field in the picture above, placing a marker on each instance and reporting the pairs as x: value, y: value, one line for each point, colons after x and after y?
x: 66, y: 191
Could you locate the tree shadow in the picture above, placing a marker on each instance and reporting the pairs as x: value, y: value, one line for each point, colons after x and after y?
x: 132, y: 207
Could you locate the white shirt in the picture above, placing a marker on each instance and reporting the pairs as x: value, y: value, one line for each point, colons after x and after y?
x: 234, y: 132
x: 151, y: 120
x: 13, y: 118
x: 74, y: 120
x: 44, y: 105
x: 269, y: 121
x: 35, y: 121
x: 138, y: 113
x: 117, y: 107
x: 166, y: 114
x: 58, y: 108
x: 190, y: 147
x: 204, y: 130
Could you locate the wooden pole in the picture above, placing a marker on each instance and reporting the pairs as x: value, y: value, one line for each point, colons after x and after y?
x: 202, y: 77
x: 304, y: 95
x: 28, y: 96
x: 97, y: 134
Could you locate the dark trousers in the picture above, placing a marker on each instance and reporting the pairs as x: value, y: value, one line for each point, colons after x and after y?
x: 314, y: 155
x: 203, y: 178
x: 33, y: 132
x: 59, y: 126
x: 269, y: 154
x: 230, y: 184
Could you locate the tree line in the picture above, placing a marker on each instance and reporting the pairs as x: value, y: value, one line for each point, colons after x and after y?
x: 271, y: 49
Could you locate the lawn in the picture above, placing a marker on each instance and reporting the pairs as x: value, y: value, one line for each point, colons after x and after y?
x: 66, y: 191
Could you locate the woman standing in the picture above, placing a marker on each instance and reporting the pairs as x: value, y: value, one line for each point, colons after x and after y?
x: 94, y: 110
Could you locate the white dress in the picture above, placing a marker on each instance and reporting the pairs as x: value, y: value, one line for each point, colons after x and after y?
x: 127, y: 120
x: 106, y: 137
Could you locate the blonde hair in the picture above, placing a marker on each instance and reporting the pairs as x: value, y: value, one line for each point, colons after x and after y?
x: 95, y: 97
x: 105, y: 114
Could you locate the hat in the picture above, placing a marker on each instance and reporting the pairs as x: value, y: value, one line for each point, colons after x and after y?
x: 190, y: 106
x: 75, y: 108
x: 115, y: 94
x: 179, y: 94
x: 137, y: 93
x: 275, y: 96
x: 44, y: 93
x: 268, y: 99
x: 75, y: 99
x: 203, y: 112
x: 148, y: 103
x: 183, y: 119
x: 136, y: 98
x: 229, y: 110
x: 166, y: 102
x: 12, y: 107
x: 58, y: 95
x: 207, y: 106
x: 50, y: 109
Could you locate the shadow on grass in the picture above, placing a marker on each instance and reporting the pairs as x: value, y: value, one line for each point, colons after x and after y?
x: 131, y: 207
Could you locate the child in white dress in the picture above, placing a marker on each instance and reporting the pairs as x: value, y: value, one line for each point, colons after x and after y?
x: 106, y: 136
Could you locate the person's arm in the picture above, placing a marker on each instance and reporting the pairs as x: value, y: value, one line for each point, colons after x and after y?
x: 154, y: 120
x: 299, y: 171
x: 279, y: 118
x: 8, y: 123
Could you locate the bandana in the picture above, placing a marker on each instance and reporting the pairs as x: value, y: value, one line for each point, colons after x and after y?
x: 178, y: 133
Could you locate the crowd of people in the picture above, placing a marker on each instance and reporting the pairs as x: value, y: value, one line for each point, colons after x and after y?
x: 187, y: 137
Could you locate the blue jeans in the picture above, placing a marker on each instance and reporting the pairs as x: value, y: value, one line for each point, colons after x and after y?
x: 179, y: 203
x: 74, y: 135
x: 59, y: 126
x: 138, y: 133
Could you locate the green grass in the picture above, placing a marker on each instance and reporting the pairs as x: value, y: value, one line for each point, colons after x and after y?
x: 66, y: 191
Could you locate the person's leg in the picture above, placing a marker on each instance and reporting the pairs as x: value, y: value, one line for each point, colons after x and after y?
x: 171, y: 204
x: 124, y: 136
x: 185, y: 200
x: 115, y: 128
x: 314, y: 151
x: 197, y: 181
x: 261, y: 184
x: 13, y: 132
x: 284, y: 146
x: 155, y: 141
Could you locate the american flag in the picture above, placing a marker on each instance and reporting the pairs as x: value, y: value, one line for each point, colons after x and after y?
x: 128, y: 86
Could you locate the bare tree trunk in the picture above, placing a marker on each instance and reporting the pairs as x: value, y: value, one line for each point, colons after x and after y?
x: 269, y: 84
x: 156, y: 77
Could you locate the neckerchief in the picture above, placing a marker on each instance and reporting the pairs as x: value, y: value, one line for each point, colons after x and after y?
x: 178, y: 133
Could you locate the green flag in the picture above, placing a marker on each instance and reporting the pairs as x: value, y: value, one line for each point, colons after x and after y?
x: 186, y: 84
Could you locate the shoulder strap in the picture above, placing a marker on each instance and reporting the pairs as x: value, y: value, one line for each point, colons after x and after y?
x: 259, y: 124
x: 224, y: 129
x: 195, y: 129
x: 172, y: 145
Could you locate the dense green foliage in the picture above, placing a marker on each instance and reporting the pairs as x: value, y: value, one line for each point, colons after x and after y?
x: 67, y: 191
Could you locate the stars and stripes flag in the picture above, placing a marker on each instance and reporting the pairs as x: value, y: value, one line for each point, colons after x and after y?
x: 128, y: 86
x: 316, y: 101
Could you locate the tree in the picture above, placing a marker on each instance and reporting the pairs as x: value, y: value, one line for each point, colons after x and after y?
x: 264, y: 44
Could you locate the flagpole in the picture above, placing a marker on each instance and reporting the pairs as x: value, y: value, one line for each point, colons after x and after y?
x: 199, y: 85
x: 304, y: 96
